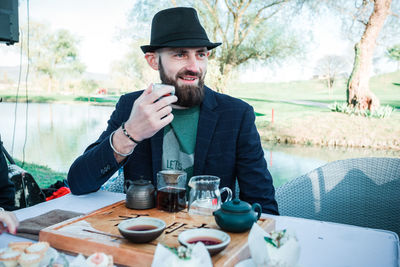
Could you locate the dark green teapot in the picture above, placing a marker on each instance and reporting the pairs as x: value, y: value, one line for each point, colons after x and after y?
x: 237, y: 216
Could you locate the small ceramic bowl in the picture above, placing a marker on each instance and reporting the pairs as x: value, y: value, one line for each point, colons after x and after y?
x: 214, y: 240
x: 142, y: 229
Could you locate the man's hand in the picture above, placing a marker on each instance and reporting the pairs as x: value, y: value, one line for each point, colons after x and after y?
x: 148, y: 116
x: 150, y: 113
x: 8, y: 222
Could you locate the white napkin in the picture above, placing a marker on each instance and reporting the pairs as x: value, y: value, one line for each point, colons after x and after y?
x: 164, y: 257
x: 265, y: 254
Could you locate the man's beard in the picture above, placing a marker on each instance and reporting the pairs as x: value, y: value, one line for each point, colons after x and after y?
x: 188, y: 95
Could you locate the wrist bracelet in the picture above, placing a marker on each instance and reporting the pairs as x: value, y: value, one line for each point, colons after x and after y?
x: 128, y: 135
x: 113, y: 148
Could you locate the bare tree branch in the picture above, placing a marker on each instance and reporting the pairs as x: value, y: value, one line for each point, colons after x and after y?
x: 214, y: 15
x: 257, y: 20
x: 229, y: 8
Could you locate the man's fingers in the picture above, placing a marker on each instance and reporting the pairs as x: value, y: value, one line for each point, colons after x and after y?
x: 10, y: 220
x: 165, y: 101
x: 167, y: 120
x: 149, y: 89
x: 14, y: 219
x: 2, y: 228
x: 146, y: 92
x: 163, y: 91
x: 164, y: 112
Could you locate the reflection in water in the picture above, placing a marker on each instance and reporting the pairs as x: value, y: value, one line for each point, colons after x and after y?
x: 284, y: 166
x: 286, y: 162
x: 58, y: 133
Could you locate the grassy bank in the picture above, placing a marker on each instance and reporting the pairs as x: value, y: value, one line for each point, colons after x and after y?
x: 308, y: 124
x: 39, y: 97
x: 43, y: 175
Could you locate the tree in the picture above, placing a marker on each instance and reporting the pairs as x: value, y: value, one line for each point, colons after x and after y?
x: 329, y: 67
x: 53, y: 54
x: 394, y: 54
x: 249, y: 30
x: 131, y: 73
x: 358, y: 93
x: 365, y: 20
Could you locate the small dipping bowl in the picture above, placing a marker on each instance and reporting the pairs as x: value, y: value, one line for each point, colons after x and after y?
x: 142, y: 229
x: 214, y: 240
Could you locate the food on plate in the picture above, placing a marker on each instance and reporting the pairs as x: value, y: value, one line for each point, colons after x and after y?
x: 29, y: 260
x: 19, y: 246
x: 99, y: 259
x: 35, y: 255
x: 10, y: 258
x: 38, y: 248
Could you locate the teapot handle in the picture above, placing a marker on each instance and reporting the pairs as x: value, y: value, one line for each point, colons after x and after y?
x: 256, y: 207
x: 229, y: 191
x: 127, y: 184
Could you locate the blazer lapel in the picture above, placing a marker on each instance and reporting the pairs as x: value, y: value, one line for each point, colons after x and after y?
x: 156, y: 151
x: 207, y: 121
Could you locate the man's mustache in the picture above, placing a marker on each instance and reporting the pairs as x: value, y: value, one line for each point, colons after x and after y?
x: 189, y: 72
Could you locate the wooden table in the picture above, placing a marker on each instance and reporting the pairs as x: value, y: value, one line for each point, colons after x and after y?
x: 98, y: 232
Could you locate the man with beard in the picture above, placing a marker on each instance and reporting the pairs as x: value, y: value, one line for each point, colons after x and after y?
x: 197, y: 130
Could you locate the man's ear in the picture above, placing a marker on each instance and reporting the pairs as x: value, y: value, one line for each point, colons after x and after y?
x: 152, y: 60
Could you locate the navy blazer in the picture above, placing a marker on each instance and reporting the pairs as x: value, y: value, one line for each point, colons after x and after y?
x: 227, y: 145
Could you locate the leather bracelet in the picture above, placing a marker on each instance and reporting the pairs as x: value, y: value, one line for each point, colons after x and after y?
x: 116, y: 152
x: 128, y: 135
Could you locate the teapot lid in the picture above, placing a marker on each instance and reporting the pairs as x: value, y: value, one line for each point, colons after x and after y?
x: 141, y: 182
x: 236, y: 205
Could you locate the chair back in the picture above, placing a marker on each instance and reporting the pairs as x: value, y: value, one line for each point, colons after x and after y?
x: 360, y: 191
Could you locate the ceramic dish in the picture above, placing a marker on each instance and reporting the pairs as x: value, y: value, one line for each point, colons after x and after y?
x: 214, y: 240
x: 142, y: 229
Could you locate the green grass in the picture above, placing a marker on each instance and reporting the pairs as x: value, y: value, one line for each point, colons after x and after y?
x: 43, y: 175
x: 313, y: 125
x: 385, y: 86
x: 54, y: 97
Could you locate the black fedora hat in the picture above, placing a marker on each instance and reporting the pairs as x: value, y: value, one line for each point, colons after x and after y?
x: 177, y: 27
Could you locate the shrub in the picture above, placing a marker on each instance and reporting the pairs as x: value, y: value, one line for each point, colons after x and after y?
x: 381, y: 112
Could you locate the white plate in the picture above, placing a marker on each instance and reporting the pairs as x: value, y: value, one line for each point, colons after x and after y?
x: 51, y: 254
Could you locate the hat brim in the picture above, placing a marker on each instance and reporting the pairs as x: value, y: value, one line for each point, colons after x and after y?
x: 181, y: 43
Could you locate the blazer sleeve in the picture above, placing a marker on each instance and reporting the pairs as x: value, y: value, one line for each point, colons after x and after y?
x: 97, y: 164
x: 255, y: 181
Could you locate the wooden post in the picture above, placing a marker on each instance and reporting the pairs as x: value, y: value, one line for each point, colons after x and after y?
x: 272, y: 116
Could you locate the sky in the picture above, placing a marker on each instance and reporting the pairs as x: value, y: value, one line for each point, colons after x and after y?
x: 97, y: 23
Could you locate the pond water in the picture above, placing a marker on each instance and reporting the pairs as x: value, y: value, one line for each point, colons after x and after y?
x: 58, y: 133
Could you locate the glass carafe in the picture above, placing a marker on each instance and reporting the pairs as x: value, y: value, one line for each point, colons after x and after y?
x: 205, y: 195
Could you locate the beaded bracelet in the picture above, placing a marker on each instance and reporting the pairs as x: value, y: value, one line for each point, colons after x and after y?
x: 128, y: 135
x: 113, y: 148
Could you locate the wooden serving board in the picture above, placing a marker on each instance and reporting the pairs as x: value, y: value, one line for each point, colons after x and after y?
x: 80, y: 235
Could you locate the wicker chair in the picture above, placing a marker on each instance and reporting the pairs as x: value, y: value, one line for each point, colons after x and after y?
x: 361, y: 191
